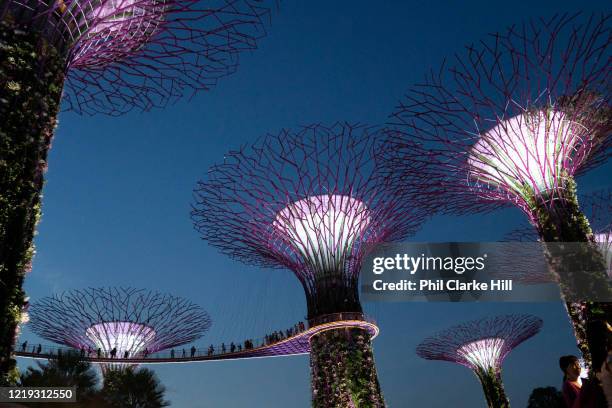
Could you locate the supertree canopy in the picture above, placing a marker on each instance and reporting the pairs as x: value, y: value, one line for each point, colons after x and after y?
x: 123, y: 54
x: 310, y: 201
x: 97, y: 56
x: 482, y: 345
x: 127, y: 320
x: 513, y: 120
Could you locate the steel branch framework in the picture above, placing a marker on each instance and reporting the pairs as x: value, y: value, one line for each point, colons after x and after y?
x: 482, y: 345
x: 310, y: 201
x: 306, y: 200
x: 125, y: 319
x: 126, y: 54
x: 511, y: 119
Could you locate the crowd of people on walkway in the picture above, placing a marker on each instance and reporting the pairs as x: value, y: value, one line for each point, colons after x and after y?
x: 248, y: 344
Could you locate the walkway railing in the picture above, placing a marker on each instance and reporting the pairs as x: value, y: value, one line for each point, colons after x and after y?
x: 292, y: 341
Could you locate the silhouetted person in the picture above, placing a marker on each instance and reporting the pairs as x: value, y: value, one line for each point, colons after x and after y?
x: 126, y: 354
x: 571, y: 384
x: 24, y: 345
x: 113, y: 352
x: 193, y: 350
x: 222, y: 347
x: 99, y: 352
x: 240, y: 347
x: 232, y: 347
x: 39, y: 349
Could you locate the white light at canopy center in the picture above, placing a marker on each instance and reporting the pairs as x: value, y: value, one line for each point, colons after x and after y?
x: 483, y: 353
x: 124, y: 336
x: 323, y: 228
x: 527, y: 150
x: 110, y: 29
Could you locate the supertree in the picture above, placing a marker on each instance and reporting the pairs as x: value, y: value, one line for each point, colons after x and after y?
x: 482, y: 345
x: 513, y: 121
x: 127, y: 320
x: 310, y: 201
x: 98, y: 56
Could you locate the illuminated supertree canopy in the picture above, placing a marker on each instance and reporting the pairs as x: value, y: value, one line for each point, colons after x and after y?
x: 123, y: 54
x: 127, y: 320
x: 310, y: 201
x: 513, y: 120
x: 94, y: 56
x: 482, y: 345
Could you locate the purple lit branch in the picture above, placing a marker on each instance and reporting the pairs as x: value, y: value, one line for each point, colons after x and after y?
x: 125, y: 54
x: 126, y: 319
x: 511, y: 119
x: 307, y: 200
x: 480, y: 344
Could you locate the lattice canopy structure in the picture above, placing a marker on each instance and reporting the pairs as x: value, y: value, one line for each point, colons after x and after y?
x: 126, y: 54
x: 511, y: 120
x: 482, y: 345
x: 311, y: 201
x: 126, y: 320
x: 307, y: 200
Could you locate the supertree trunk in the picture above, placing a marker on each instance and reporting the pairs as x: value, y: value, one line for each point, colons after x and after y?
x: 493, y: 388
x: 31, y: 80
x: 566, y: 223
x: 343, y: 370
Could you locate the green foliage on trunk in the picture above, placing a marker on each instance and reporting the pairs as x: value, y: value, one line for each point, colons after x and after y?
x: 31, y: 80
x: 343, y: 370
x: 582, y: 272
x: 493, y: 388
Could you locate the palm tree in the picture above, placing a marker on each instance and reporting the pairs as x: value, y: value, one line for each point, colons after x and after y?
x: 133, y: 388
x: 66, y: 371
x: 545, y: 397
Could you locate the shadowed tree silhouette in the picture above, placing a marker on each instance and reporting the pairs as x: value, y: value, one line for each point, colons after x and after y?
x: 65, y: 371
x: 130, y: 388
x: 545, y: 397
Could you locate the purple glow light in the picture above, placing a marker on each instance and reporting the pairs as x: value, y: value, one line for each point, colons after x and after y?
x: 323, y: 228
x: 531, y: 149
x: 484, y: 354
x: 113, y: 29
x: 123, y: 336
x: 480, y: 344
x: 124, y: 318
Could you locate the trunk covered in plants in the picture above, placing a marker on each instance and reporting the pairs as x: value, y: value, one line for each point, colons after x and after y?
x: 343, y: 370
x: 493, y: 388
x: 31, y: 80
x: 582, y: 272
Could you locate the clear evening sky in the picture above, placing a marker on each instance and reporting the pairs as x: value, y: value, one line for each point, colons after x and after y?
x: 116, y: 202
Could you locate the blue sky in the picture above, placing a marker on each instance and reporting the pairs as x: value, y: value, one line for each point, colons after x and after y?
x: 118, y: 194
